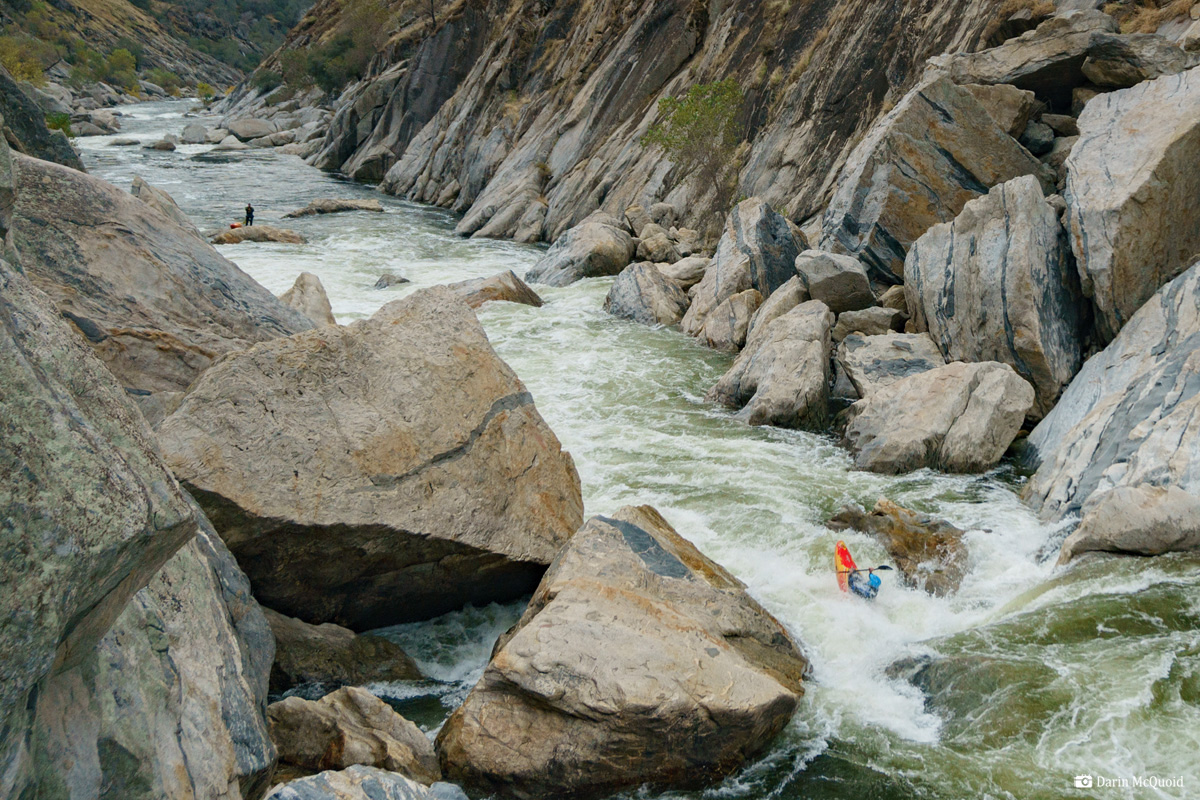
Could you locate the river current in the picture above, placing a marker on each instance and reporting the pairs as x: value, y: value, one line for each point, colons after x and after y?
x: 1039, y: 675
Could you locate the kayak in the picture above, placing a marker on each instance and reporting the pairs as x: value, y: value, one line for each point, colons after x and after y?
x: 864, y: 583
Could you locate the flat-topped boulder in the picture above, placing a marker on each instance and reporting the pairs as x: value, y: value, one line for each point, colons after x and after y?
x: 956, y: 418
x: 157, y: 304
x: 505, y: 287
x: 257, y: 233
x: 1130, y: 190
x: 838, y: 281
x: 336, y: 205
x: 639, y: 660
x: 307, y: 296
x: 782, y: 377
x: 1130, y: 416
x: 249, y: 128
x: 386, y: 471
x: 916, y: 167
x: 598, y: 246
x: 872, y: 362
x: 1141, y: 520
x: 643, y: 294
x: 997, y: 284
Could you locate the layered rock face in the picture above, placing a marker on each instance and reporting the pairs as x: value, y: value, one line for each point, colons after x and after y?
x: 919, y: 165
x: 390, y: 470
x: 996, y: 284
x: 157, y: 304
x: 1130, y: 190
x: 638, y: 660
x: 1129, y: 418
x: 90, y: 512
x: 24, y: 127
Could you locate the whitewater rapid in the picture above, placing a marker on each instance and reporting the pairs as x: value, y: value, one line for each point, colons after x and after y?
x: 1051, y: 674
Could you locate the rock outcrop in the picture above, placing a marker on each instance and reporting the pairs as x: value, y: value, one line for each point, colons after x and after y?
x: 335, y: 205
x: 727, y: 325
x: 997, y: 284
x: 639, y: 660
x: 598, y: 246
x: 1130, y: 191
x: 1123, y: 61
x: 258, y: 233
x: 919, y: 165
x: 386, y: 471
x: 362, y: 783
x: 350, y: 726
x: 329, y: 656
x: 873, y: 321
x: 164, y: 203
x: 839, y: 282
x: 24, y: 129
x: 956, y: 418
x: 91, y: 514
x: 156, y: 304
x: 307, y: 296
x: 1130, y: 416
x: 872, y: 362
x: 929, y: 552
x: 1138, y: 520
x: 505, y: 287
x: 782, y: 377
x: 643, y: 294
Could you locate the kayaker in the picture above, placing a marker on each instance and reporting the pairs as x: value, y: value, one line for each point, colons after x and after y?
x: 851, y: 578
x: 249, y: 215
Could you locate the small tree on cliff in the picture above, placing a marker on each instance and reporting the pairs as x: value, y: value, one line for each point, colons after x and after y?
x: 700, y: 133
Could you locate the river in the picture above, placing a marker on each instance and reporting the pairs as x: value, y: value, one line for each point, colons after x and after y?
x: 1043, y: 675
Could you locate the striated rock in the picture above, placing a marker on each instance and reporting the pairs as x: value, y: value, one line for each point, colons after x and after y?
x: 307, y: 296
x: 342, y: 509
x: 781, y: 301
x: 258, y: 233
x: 362, y: 783
x: 1048, y: 60
x: 336, y: 205
x: 873, y: 321
x: 90, y: 512
x: 956, y: 418
x: 839, y: 282
x: 643, y: 294
x: 639, y: 660
x: 918, y: 166
x: 727, y: 326
x: 997, y: 285
x: 350, y: 726
x: 1130, y: 192
x: 164, y: 203
x: 597, y: 246
x: 1009, y: 107
x: 246, y: 129
x: 1139, y: 520
x: 782, y: 377
x: 170, y: 705
x: 1130, y: 416
x: 872, y: 362
x: 687, y: 272
x: 1123, y: 61
x: 505, y: 287
x: 390, y: 279
x: 757, y: 250
x: 928, y: 552
x: 330, y: 655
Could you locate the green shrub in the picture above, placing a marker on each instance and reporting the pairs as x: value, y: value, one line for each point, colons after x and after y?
x: 20, y: 56
x: 60, y: 122
x: 266, y: 80
x: 165, y: 78
x: 205, y: 92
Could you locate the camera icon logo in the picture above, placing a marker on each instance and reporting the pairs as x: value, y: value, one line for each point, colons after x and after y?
x: 1083, y: 781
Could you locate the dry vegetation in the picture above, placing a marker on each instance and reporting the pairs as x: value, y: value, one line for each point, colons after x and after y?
x: 1037, y: 9
x: 1146, y: 16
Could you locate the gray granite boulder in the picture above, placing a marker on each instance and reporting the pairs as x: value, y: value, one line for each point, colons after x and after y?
x: 872, y: 362
x: 598, y: 246
x: 504, y: 287
x: 328, y: 655
x: 873, y: 321
x: 838, y: 281
x: 1122, y: 61
x: 307, y: 296
x: 643, y: 294
x: 362, y: 783
x: 1141, y: 520
x: 727, y: 326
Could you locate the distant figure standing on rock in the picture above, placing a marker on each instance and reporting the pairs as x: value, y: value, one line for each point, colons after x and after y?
x: 249, y: 214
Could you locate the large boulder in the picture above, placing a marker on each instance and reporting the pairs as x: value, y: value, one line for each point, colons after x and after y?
x: 1131, y: 189
x: 727, y: 326
x: 307, y: 296
x: 838, y: 281
x: 782, y: 377
x: 90, y: 512
x: 872, y: 362
x: 956, y: 418
x: 171, y: 704
x: 386, y: 471
x: 164, y: 203
x: 259, y: 234
x: 362, y: 783
x: 757, y: 251
x: 598, y: 246
x: 336, y: 205
x: 505, y: 287
x: 350, y: 726
x: 928, y: 552
x: 1009, y: 107
x: 686, y: 272
x: 639, y: 660
x: 1130, y: 416
x: 157, y: 304
x: 873, y: 321
x: 1124, y: 61
x: 918, y: 166
x: 997, y: 284
x: 328, y: 655
x: 194, y: 133
x: 1139, y: 520
x: 643, y: 294
x: 246, y: 129
x: 781, y: 301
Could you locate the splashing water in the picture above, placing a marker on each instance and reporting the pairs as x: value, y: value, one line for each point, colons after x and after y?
x: 1024, y: 679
